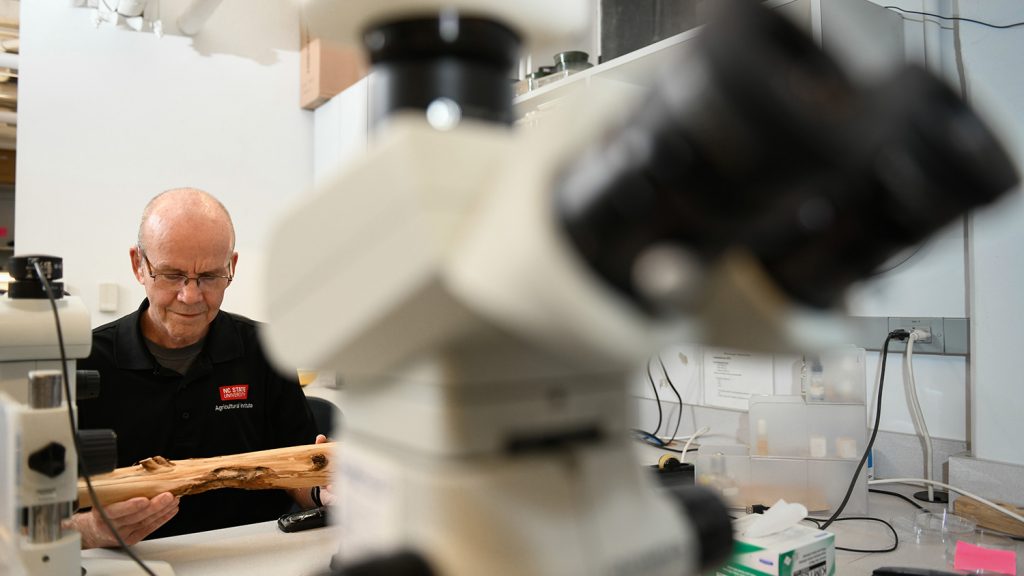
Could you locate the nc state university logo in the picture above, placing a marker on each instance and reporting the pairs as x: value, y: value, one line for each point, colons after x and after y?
x: 234, y: 392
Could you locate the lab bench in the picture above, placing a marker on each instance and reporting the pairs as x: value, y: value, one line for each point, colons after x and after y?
x: 259, y: 549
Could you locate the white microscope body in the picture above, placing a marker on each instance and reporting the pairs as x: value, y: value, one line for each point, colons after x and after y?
x: 449, y: 277
x: 488, y: 435
x: 34, y: 421
x: 486, y: 414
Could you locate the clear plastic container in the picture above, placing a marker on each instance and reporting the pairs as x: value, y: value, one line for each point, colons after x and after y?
x: 723, y: 469
x: 786, y: 426
x: 933, y: 527
x: 836, y: 376
x: 778, y: 426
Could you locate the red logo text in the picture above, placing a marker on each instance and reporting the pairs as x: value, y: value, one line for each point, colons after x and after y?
x: 234, y: 392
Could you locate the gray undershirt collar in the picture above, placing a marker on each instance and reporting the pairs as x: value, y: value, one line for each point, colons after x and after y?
x: 176, y: 359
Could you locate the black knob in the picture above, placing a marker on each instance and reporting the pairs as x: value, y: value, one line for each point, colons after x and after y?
x: 49, y: 460
x: 87, y: 384
x: 99, y: 451
x: 404, y: 563
x: 711, y: 521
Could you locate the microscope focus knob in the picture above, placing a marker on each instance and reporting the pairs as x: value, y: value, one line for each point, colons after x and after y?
x: 400, y: 563
x: 49, y: 460
x: 87, y: 384
x: 712, y: 523
x: 99, y: 451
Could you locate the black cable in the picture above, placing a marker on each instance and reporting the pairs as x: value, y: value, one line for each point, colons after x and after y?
x: 895, y: 543
x: 900, y: 496
x: 657, y: 400
x: 649, y: 438
x: 679, y: 416
x: 960, y: 18
x: 899, y: 334
x: 74, y: 429
x: 896, y: 265
x: 664, y: 447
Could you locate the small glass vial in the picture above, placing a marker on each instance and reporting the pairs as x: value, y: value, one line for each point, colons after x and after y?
x: 717, y: 478
x: 818, y: 446
x: 762, y: 438
x: 816, y: 383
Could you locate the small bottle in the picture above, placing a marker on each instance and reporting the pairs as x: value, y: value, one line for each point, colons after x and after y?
x: 818, y: 446
x: 816, y: 383
x: 762, y: 437
x: 846, y: 447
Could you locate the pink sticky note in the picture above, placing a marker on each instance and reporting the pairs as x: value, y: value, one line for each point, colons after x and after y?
x: 970, y: 557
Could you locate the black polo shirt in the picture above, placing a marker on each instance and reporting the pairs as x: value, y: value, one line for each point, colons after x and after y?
x: 230, y: 401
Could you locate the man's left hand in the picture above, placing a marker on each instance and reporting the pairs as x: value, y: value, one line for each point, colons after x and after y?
x: 327, y: 498
x: 304, y: 496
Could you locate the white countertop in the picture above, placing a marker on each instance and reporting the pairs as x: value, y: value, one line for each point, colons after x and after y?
x: 253, y: 550
x: 259, y: 549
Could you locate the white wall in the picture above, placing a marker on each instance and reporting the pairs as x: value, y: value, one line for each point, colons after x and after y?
x: 992, y: 61
x: 993, y: 270
x: 110, y: 117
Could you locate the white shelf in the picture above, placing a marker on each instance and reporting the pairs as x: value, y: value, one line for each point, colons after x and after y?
x: 637, y: 68
x: 640, y: 67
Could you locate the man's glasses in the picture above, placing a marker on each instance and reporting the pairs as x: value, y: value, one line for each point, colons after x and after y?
x: 172, y: 281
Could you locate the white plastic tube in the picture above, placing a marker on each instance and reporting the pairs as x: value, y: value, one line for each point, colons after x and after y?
x: 910, y: 387
x: 689, y: 441
x: 960, y: 491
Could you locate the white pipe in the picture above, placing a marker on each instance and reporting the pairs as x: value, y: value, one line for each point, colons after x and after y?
x: 8, y: 60
x: 195, y: 16
x: 961, y: 491
x: 8, y: 117
x: 916, y: 414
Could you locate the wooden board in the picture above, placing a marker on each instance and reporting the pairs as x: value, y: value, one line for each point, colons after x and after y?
x: 986, y: 517
x: 293, y: 467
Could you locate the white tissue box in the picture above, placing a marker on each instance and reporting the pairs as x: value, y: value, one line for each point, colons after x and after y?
x: 796, y: 551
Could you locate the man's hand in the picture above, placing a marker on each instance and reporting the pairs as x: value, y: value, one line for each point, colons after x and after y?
x: 327, y: 498
x: 304, y: 497
x: 134, y: 519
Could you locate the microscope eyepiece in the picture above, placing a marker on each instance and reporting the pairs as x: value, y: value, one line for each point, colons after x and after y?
x: 26, y: 282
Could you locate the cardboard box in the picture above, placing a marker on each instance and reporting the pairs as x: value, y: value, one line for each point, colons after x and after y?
x: 796, y: 551
x: 326, y: 70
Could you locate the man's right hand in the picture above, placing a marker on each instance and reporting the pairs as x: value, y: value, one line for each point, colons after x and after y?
x: 134, y: 519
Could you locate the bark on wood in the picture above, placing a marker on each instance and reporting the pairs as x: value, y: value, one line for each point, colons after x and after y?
x: 293, y: 467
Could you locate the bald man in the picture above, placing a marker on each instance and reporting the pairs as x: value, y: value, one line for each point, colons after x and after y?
x: 183, y: 379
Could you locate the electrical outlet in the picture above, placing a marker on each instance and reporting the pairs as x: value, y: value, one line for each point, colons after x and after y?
x: 947, y: 336
x: 932, y: 344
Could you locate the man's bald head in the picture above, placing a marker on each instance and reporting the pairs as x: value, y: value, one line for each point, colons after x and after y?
x: 183, y: 206
x: 185, y: 236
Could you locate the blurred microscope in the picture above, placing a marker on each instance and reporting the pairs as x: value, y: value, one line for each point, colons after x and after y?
x: 484, y: 293
x: 39, y: 465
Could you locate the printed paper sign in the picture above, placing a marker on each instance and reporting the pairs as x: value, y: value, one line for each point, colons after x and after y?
x: 731, y: 377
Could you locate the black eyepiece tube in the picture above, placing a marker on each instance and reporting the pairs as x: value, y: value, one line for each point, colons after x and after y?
x: 765, y: 145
